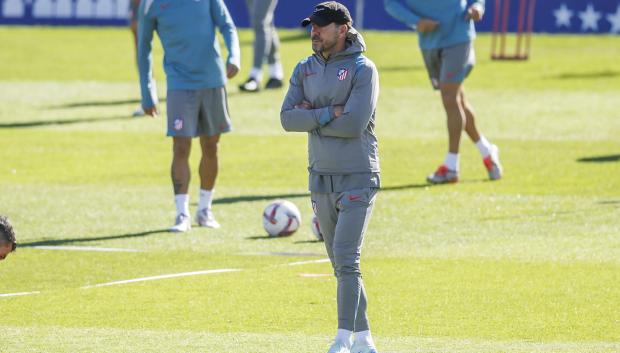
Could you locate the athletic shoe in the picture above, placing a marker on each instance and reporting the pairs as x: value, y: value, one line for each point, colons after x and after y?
x: 338, y: 347
x: 443, y: 175
x: 273, y: 83
x: 251, y: 85
x: 205, y: 218
x: 138, y: 112
x: 181, y: 224
x: 491, y: 162
x: 362, y: 348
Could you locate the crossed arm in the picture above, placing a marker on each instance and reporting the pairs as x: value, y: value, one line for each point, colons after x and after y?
x: 345, y: 121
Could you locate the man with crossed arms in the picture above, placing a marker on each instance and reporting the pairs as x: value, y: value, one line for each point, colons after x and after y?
x: 332, y: 96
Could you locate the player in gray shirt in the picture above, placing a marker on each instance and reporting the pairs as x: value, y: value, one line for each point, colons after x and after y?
x: 332, y: 96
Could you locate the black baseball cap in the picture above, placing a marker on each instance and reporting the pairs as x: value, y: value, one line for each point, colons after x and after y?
x: 328, y: 12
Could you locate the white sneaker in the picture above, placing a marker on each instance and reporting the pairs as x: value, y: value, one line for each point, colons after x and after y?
x: 138, y: 112
x: 491, y: 163
x: 338, y: 347
x: 205, y: 218
x: 181, y: 224
x: 362, y: 348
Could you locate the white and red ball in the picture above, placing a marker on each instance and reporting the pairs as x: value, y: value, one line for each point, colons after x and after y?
x: 281, y: 218
x: 316, y: 228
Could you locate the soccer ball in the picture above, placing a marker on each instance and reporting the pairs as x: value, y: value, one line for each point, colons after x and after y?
x: 281, y: 218
x: 316, y: 228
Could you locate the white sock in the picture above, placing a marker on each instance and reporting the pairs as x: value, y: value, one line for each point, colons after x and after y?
x: 484, y: 146
x: 452, y: 161
x: 364, y: 338
x: 275, y: 71
x: 205, y: 198
x: 344, y: 336
x: 256, y: 73
x: 182, y: 202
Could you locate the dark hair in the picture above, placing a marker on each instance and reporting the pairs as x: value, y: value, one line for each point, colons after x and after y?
x: 6, y: 232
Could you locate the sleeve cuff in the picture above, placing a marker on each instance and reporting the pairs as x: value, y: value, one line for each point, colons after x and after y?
x: 479, y: 6
x: 235, y: 61
x: 326, y: 115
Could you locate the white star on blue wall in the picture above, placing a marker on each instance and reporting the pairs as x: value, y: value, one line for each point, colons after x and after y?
x: 562, y: 16
x: 589, y: 18
x: 614, y: 19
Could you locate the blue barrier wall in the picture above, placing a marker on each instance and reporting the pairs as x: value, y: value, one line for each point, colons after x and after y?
x: 554, y: 16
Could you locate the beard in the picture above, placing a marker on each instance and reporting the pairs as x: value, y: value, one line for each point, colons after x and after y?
x: 322, y: 45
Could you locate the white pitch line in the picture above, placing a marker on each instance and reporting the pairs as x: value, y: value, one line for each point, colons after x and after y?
x: 307, y: 262
x: 81, y: 248
x: 155, y: 278
x: 18, y: 294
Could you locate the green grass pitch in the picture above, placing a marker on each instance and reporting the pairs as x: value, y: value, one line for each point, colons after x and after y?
x: 527, y: 264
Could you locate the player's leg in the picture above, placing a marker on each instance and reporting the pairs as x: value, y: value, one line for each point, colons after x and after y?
x: 355, y: 208
x: 182, y: 111
x: 180, y: 175
x: 450, y: 97
x: 363, y: 342
x: 208, y: 161
x: 276, y: 74
x: 470, y: 118
x: 213, y: 120
x: 208, y: 173
x: 455, y: 64
x: 133, y: 25
x: 488, y: 151
x: 325, y: 208
x: 261, y: 23
x: 433, y: 61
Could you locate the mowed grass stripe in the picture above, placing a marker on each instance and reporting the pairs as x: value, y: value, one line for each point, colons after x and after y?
x: 82, y: 248
x: 546, y: 167
x: 88, y: 339
x: 497, y: 300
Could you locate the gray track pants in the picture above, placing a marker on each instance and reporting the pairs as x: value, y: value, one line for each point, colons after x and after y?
x: 266, y: 41
x: 343, y: 218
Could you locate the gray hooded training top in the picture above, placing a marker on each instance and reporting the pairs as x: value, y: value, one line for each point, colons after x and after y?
x: 342, y: 152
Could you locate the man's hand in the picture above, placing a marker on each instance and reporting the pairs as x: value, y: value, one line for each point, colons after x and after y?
x: 474, y: 12
x: 152, y: 111
x: 231, y: 70
x: 426, y: 25
x: 338, y: 111
x: 304, y: 105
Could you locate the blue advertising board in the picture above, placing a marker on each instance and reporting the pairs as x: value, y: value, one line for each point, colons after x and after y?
x: 552, y: 16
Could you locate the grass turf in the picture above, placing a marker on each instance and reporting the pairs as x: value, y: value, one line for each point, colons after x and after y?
x: 526, y: 264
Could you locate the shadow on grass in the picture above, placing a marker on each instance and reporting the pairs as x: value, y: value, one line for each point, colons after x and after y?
x: 52, y: 242
x: 405, y: 187
x: 591, y: 75
x: 28, y: 124
x: 262, y: 237
x: 600, y: 159
x: 609, y: 202
x: 400, y: 68
x: 101, y: 103
x: 250, y: 198
x: 307, y: 241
